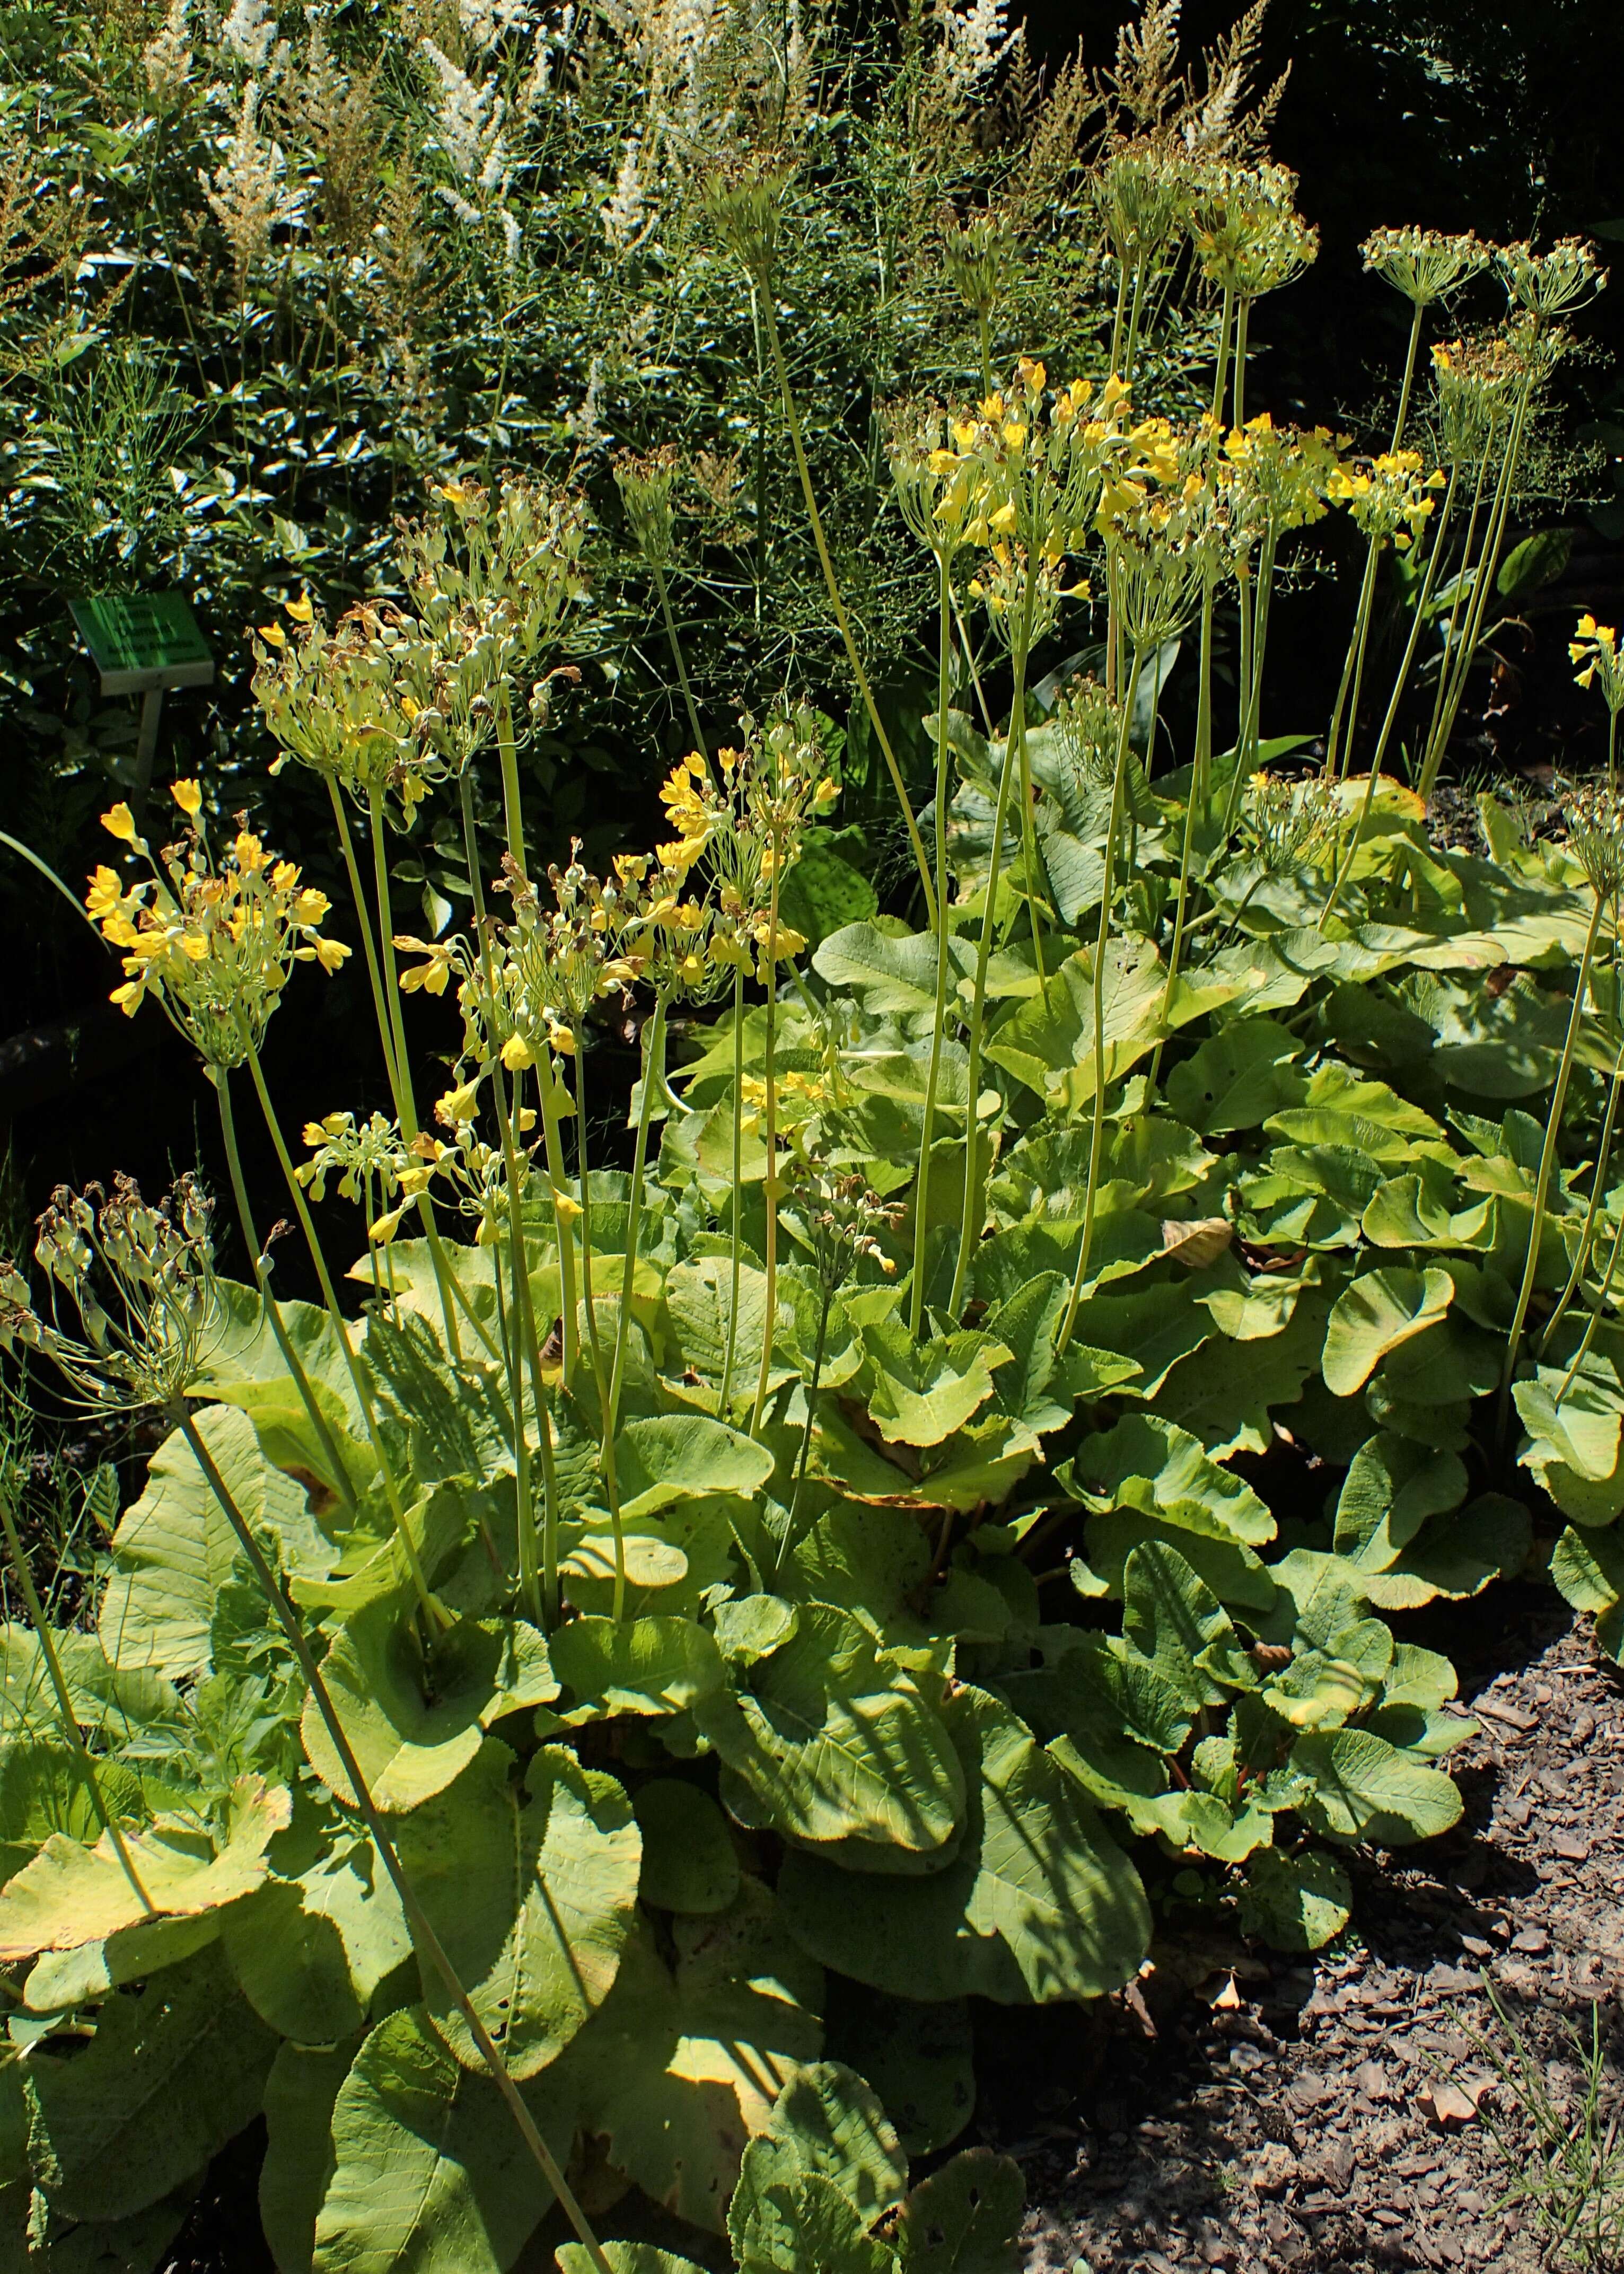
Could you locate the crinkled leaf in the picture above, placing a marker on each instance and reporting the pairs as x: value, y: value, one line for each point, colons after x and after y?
x: 1295, y: 1902
x: 648, y: 1665
x: 835, y: 1743
x: 166, y: 2079
x: 672, y: 1455
x: 965, y: 2219
x: 1366, y: 1788
x: 1374, y: 1315
x: 1037, y: 1903
x: 71, y: 1895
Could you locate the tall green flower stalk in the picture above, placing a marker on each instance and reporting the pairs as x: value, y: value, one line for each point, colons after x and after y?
x: 769, y: 1132
x: 735, y: 1227
x: 921, y: 1190
x: 424, y: 1939
x: 970, y: 1217
x: 1598, y: 1184
x: 1101, y: 945
x: 431, y: 1611
x: 1596, y: 836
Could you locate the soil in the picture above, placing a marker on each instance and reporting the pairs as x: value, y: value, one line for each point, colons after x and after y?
x: 1259, y: 2115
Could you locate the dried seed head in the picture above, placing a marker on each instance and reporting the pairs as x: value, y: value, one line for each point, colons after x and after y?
x: 1595, y: 820
x: 1424, y: 264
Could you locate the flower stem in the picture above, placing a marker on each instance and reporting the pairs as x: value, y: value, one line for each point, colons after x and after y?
x: 694, y: 728
x: 318, y: 1422
x: 968, y: 1222
x: 1096, y: 1143
x: 770, y: 1117
x: 737, y: 1239
x: 363, y: 1396
x: 423, y: 1933
x: 612, y: 1485
x: 72, y: 1734
x: 921, y: 1190
x: 792, y: 418
x: 653, y: 1061
x: 1604, y: 1155
x: 1547, y: 1161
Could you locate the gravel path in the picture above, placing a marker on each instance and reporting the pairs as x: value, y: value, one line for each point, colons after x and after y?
x: 1292, y: 2116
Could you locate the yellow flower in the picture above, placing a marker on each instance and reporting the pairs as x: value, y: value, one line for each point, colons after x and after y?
x: 120, y: 822
x: 517, y: 1054
x: 272, y: 634
x: 458, y: 1105
x: 330, y: 953
x: 105, y: 895
x: 189, y: 797
x: 301, y: 610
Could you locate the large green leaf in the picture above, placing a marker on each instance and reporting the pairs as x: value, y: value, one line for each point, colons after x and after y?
x: 311, y: 1946
x: 415, y: 1726
x: 684, y: 2062
x: 921, y: 1393
x: 965, y: 2219
x: 623, y: 2258
x: 1037, y: 1903
x: 1151, y: 1465
x: 689, y: 1863
x: 125, y: 1704
x: 836, y: 1743
x: 1173, y: 1619
x: 1049, y: 1044
x: 1374, y: 1315
x: 812, y: 2185
x: 175, y: 1548
x: 45, y: 1789
x: 1588, y: 1568
x: 166, y: 2080
x: 431, y: 2174
x: 887, y: 972
x: 919, y: 2059
x: 299, y: 2094
x: 1295, y: 1902
x: 530, y: 1888
x: 71, y: 1895
x: 648, y: 1666
x: 672, y: 1455
x: 1245, y: 1072
x: 1392, y: 1487
x: 1366, y: 1788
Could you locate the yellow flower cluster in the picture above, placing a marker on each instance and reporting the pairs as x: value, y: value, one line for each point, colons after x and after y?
x: 1595, y: 648
x: 1390, y: 499
x: 214, y: 940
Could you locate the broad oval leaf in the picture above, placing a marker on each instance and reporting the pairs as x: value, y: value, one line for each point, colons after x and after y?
x: 672, y: 1455
x: 1374, y: 1315
x: 1366, y: 1788
x: 431, y: 2174
x: 1038, y: 1903
x: 530, y: 1888
x: 652, y: 1666
x: 836, y: 1743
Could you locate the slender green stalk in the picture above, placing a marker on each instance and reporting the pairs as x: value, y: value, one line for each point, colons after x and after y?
x: 508, y: 757
x: 405, y: 1102
x: 570, y: 1321
x: 1242, y: 318
x: 1547, y: 1160
x: 523, y: 1303
x: 921, y: 1190
x: 678, y: 658
x: 1603, y: 1295
x: 1613, y: 750
x: 1130, y: 359
x: 770, y: 1116
x: 1096, y: 1143
x: 1462, y: 583
x: 788, y: 1540
x: 369, y: 946
x: 445, y: 1279
x: 1118, y: 319
x: 73, y: 1736
x: 1410, y: 374
x: 1482, y: 586
x: 363, y: 1396
x: 1355, y: 649
x: 791, y: 417
x: 290, y: 1358
x: 969, y: 1221
x: 1224, y: 350
x: 1401, y: 681
x: 1200, y: 772
x: 983, y: 324
x: 606, y: 1456
x: 1360, y: 648
x: 423, y: 1934
x: 1019, y: 656
x: 736, y: 1240
x: 654, y: 1052
x: 1587, y: 1231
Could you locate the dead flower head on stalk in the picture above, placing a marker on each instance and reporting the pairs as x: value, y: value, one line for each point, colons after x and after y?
x: 215, y: 938
x: 133, y: 1304
x: 840, y: 1219
x: 1291, y: 825
x: 1595, y: 824
x: 1089, y: 728
x: 1550, y: 284
x: 1424, y: 264
x: 1475, y: 381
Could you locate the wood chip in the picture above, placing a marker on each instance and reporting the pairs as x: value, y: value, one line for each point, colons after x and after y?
x: 1453, y: 2101
x: 1509, y: 1714
x: 1572, y: 1846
